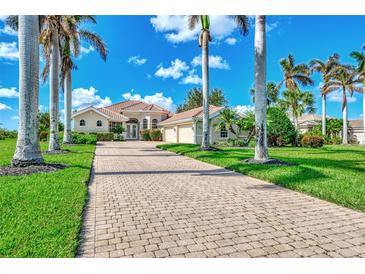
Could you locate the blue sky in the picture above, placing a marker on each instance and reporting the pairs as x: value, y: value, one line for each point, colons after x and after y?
x: 156, y: 59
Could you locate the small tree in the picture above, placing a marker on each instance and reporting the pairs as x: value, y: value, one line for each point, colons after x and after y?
x: 119, y: 131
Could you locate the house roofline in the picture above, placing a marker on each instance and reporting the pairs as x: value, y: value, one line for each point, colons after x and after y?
x: 90, y: 108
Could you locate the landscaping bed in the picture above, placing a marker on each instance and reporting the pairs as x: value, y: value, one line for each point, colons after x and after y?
x: 334, y: 173
x: 41, y: 213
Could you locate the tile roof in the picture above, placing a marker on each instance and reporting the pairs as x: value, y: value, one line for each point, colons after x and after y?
x: 309, y: 117
x: 114, y: 116
x: 190, y: 114
x: 135, y: 105
x: 358, y: 123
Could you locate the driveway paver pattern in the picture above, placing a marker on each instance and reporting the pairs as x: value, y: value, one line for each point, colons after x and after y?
x: 145, y: 202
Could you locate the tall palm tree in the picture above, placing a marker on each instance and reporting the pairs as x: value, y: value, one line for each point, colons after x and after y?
x: 204, y: 39
x: 360, y: 58
x: 325, y: 69
x: 346, y: 79
x: 297, y: 103
x: 27, y: 149
x: 261, y: 148
x: 50, y: 39
x: 70, y: 44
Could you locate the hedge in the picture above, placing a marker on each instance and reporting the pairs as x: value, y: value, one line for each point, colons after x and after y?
x: 105, y: 136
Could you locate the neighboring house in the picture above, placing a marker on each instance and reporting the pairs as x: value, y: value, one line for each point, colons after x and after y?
x: 133, y: 115
x: 356, y: 127
x: 186, y: 127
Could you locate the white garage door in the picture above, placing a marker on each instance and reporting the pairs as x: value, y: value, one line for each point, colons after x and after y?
x: 170, y: 134
x: 186, y: 134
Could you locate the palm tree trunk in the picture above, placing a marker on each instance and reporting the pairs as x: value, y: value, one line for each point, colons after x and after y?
x: 67, y: 107
x: 261, y: 149
x: 363, y: 109
x: 27, y: 148
x: 53, y: 87
x: 205, y: 76
x: 324, y: 114
x: 344, y: 119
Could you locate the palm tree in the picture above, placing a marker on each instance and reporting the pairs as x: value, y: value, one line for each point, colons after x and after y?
x: 297, y: 103
x: 360, y: 58
x: 71, y: 41
x: 204, y: 39
x: 344, y: 78
x: 27, y: 149
x: 227, y: 118
x: 325, y: 68
x: 272, y: 93
x: 261, y: 148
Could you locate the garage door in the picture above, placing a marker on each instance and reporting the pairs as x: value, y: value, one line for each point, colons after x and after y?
x: 186, y: 134
x: 170, y: 134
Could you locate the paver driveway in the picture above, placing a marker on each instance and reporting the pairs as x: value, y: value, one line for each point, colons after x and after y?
x: 144, y: 202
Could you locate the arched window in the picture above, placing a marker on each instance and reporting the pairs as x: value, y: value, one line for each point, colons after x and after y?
x: 145, y: 124
x: 99, y: 123
x: 154, y: 123
x: 82, y: 123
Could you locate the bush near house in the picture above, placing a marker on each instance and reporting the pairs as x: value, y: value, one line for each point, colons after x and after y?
x: 104, y: 136
x: 10, y: 134
x: 155, y: 135
x: 83, y: 138
x: 312, y: 138
x: 280, y: 130
x: 118, y: 131
x: 145, y: 135
x: 43, y: 136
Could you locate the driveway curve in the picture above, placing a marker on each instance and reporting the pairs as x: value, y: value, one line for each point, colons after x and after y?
x: 145, y: 202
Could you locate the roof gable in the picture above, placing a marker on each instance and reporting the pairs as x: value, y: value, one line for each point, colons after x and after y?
x: 135, y: 105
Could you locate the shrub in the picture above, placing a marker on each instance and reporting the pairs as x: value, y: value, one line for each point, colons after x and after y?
x: 83, y: 138
x: 10, y: 134
x: 43, y: 136
x: 145, y: 135
x: 155, y: 135
x: 312, y: 141
x: 280, y: 130
x: 104, y: 136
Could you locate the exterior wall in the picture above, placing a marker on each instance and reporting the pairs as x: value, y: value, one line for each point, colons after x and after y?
x: 185, y: 133
x: 357, y: 135
x: 90, y: 117
x: 170, y: 134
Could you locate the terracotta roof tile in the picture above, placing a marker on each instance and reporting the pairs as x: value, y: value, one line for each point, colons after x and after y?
x: 114, y: 116
x: 358, y: 123
x: 190, y: 114
x: 135, y: 105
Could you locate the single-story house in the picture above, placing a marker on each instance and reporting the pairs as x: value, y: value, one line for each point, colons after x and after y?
x: 186, y: 127
x: 133, y: 115
x: 356, y: 127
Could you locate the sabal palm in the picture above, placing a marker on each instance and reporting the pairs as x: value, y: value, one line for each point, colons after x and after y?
x: 297, y: 103
x: 204, y: 38
x: 360, y: 58
x: 27, y: 149
x: 346, y: 79
x: 325, y: 69
x: 294, y: 75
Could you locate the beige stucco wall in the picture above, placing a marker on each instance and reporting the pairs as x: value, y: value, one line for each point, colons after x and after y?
x: 90, y: 117
x: 357, y: 135
x: 186, y: 133
x: 169, y: 134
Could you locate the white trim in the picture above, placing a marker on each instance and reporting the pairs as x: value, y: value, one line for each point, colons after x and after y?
x: 90, y: 108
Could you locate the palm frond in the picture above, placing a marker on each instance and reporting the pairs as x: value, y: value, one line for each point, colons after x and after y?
x: 242, y: 23
x: 193, y: 20
x: 96, y: 41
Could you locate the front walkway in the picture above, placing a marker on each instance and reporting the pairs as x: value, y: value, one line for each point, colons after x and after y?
x: 144, y: 202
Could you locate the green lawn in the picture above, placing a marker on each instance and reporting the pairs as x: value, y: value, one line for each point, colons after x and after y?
x: 333, y: 173
x: 40, y: 214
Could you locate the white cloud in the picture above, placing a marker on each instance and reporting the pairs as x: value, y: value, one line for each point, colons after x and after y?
x: 175, y: 71
x: 214, y: 62
x: 9, y: 92
x: 9, y: 51
x: 231, y: 41
x: 82, y: 98
x: 243, y: 109
x: 14, y: 117
x: 271, y: 26
x: 192, y: 78
x: 8, y: 31
x: 3, y: 17
x: 85, y: 51
x: 137, y: 60
x: 158, y: 98
x: 336, y: 96
x: 176, y: 30
x: 42, y: 108
x: 4, y: 107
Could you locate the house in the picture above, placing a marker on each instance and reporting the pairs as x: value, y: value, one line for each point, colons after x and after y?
x: 133, y: 115
x: 308, y: 121
x: 356, y: 129
x: 186, y: 127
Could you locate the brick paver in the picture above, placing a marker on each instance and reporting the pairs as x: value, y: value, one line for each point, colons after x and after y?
x: 144, y: 202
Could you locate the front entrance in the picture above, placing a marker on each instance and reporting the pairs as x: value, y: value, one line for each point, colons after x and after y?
x: 132, y: 132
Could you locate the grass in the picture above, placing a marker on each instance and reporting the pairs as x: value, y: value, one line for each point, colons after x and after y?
x: 332, y: 173
x: 40, y: 214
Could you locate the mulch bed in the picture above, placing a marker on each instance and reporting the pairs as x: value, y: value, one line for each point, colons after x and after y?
x: 268, y: 162
x: 18, y: 171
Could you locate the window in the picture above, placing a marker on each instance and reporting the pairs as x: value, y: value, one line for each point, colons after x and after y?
x: 154, y: 123
x: 82, y: 123
x: 145, y: 124
x: 99, y: 123
x: 224, y: 132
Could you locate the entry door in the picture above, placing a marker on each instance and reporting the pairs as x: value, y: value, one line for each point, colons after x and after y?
x: 132, y: 131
